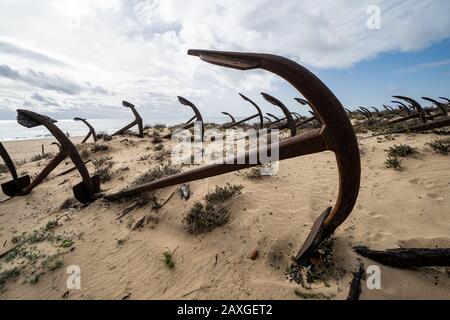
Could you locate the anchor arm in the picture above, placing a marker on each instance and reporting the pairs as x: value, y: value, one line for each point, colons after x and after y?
x: 9, y: 163
x: 260, y: 114
x: 288, y: 116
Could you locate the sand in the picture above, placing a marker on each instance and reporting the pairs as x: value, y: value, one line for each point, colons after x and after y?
x: 407, y: 208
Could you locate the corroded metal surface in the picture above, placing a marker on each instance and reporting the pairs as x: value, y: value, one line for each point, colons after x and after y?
x: 137, y: 121
x: 13, y: 187
x: 91, y: 130
x: 233, y: 120
x: 336, y: 135
x: 86, y: 190
x: 438, y: 104
x: 258, y: 114
x: 290, y: 123
x: 416, y: 105
x: 191, y: 123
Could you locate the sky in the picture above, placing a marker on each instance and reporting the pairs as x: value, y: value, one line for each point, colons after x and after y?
x: 67, y: 58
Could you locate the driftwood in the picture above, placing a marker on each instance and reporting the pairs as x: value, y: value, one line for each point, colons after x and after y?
x: 355, y: 286
x: 407, y: 258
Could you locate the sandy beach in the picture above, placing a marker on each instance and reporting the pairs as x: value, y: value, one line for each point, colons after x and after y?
x: 396, y: 208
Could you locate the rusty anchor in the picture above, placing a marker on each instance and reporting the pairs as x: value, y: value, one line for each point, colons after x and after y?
x: 297, y: 116
x: 91, y: 130
x: 336, y: 135
x: 403, y: 107
x: 268, y: 120
x: 438, y: 104
x: 377, y: 111
x: 446, y: 99
x: 301, y: 122
x: 388, y: 108
x: 233, y: 120
x: 274, y: 117
x: 421, y: 113
x: 258, y: 114
x: 191, y: 123
x: 85, y: 191
x: 365, y: 113
x: 278, y: 120
x: 289, y: 122
x: 137, y: 121
x: 12, y: 188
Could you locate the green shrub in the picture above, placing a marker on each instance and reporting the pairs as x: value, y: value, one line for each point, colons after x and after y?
x: 440, y: 146
x: 393, y: 163
x: 402, y: 150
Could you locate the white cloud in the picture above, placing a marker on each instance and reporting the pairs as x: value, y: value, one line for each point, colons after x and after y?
x: 137, y: 49
x: 426, y: 65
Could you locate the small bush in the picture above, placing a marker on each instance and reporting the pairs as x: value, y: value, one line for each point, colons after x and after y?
x: 99, y: 148
x: 161, y: 171
x: 440, y: 146
x: 222, y: 194
x: 103, y: 167
x: 8, y: 274
x: 159, y: 126
x: 52, y: 263
x: 402, y: 150
x: 201, y: 219
x: 85, y: 154
x: 156, y: 139
x: 3, y: 168
x: 104, y: 136
x: 168, y: 260
x: 254, y: 174
x: 41, y: 156
x: 393, y: 163
x: 442, y: 132
x: 159, y: 147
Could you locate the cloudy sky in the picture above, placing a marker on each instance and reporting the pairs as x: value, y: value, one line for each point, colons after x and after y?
x: 83, y: 57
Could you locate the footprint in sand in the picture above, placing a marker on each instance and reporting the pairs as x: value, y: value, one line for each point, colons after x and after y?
x: 414, y: 181
x: 375, y: 215
x: 434, y: 196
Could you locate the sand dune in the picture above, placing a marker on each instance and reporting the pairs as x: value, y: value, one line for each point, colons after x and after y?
x: 407, y: 208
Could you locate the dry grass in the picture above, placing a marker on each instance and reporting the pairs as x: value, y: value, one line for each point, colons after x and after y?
x: 441, y: 146
x: 161, y: 171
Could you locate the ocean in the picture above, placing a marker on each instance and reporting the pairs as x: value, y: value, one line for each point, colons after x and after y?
x: 11, y: 130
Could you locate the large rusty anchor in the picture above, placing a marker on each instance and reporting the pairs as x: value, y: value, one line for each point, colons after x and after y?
x: 91, y: 130
x: 191, y: 123
x: 336, y: 135
x: 258, y: 114
x: 137, y: 121
x: 86, y: 190
x: 13, y: 188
